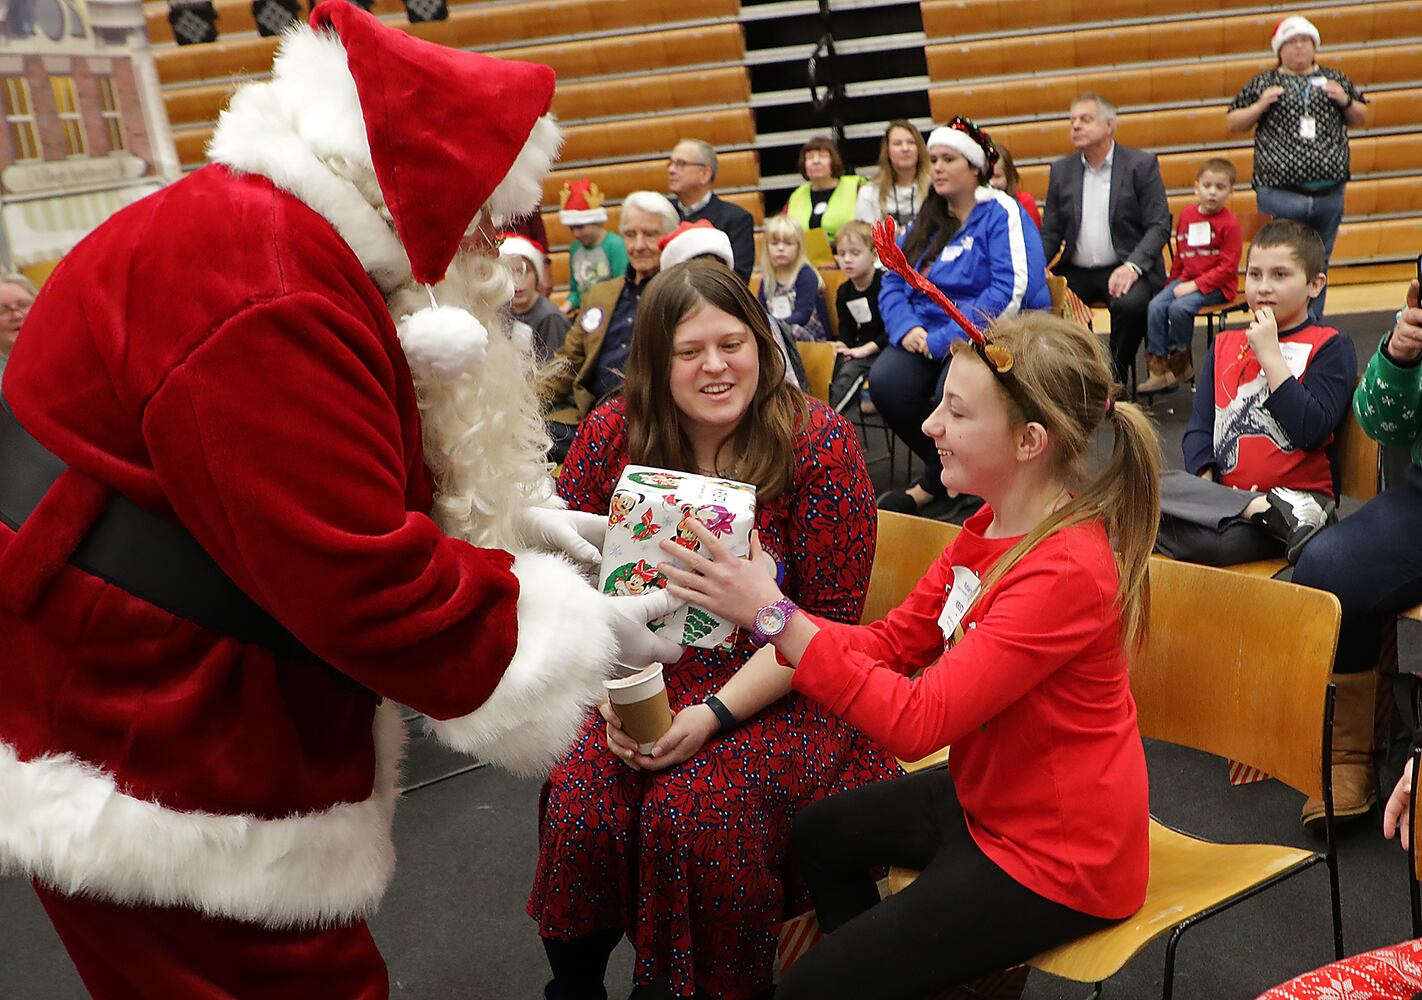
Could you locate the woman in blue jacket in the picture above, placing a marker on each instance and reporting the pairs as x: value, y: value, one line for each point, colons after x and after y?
x: 980, y: 247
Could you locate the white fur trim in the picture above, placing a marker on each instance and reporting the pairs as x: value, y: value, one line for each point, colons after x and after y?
x: 566, y: 648
x: 959, y: 143
x: 303, y: 130
x: 442, y: 342
x: 521, y: 190
x: 696, y: 241
x: 581, y: 216
x: 518, y: 246
x: 66, y: 823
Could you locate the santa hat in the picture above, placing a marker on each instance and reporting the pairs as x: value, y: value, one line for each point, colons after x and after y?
x: 514, y: 245
x: 445, y: 127
x: 1291, y: 27
x: 695, y: 239
x: 967, y: 140
x: 581, y: 203
x: 450, y: 134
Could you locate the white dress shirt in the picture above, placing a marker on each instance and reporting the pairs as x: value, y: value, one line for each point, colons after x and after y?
x: 1093, y: 241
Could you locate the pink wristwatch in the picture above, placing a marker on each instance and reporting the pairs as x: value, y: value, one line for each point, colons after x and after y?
x: 770, y: 621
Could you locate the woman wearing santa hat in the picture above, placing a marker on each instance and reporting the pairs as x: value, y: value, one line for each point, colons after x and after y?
x: 1300, y: 112
x: 981, y: 248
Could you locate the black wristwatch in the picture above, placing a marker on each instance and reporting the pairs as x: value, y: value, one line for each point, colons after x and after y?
x: 723, y: 714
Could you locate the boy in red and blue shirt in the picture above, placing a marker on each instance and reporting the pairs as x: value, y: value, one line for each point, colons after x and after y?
x: 1258, y: 481
x: 1208, y: 243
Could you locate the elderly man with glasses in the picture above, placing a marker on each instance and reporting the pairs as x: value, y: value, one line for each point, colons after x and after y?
x: 17, y: 294
x: 691, y: 171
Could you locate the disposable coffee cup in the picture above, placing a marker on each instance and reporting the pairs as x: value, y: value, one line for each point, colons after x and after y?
x: 640, y: 702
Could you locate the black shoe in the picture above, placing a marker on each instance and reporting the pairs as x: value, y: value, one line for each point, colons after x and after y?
x: 961, y: 507
x: 1294, y: 517
x: 898, y: 501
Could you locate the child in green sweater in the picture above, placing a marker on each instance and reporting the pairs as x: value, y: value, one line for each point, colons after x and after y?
x: 595, y: 255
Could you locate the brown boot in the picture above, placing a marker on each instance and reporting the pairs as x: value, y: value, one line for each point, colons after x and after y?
x: 1354, y: 711
x: 1182, y: 365
x: 1160, y: 376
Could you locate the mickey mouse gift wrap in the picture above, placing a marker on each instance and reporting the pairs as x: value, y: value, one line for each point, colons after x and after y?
x: 652, y: 505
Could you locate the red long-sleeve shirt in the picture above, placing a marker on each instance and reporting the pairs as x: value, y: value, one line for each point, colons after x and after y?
x: 1035, y: 700
x: 1211, y: 261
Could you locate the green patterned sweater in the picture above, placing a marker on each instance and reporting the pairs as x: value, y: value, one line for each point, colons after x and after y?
x: 1387, y: 403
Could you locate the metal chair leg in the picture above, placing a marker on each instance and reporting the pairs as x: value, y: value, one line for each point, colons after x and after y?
x: 1168, y: 989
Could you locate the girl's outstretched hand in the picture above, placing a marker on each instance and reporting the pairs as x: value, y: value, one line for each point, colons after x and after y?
x: 731, y: 589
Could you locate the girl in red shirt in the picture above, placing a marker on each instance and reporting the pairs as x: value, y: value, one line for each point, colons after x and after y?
x: 1015, y: 650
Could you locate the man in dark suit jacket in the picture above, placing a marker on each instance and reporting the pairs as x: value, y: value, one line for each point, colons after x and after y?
x: 691, y: 170
x: 1106, y: 211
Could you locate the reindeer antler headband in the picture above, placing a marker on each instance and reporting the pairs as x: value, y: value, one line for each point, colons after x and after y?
x: 997, y: 357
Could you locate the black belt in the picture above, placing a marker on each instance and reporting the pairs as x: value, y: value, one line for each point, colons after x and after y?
x: 139, y: 552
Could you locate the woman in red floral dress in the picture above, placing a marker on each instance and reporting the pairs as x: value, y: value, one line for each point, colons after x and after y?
x: 684, y: 850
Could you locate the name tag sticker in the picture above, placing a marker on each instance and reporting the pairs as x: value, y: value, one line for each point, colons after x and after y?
x: 1198, y: 234
x: 591, y: 320
x: 960, y: 596
x: 859, y: 309
x: 1295, y: 356
x: 780, y: 306
x: 1308, y: 128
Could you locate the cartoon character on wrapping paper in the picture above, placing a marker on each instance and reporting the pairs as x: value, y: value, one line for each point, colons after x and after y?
x: 633, y: 579
x: 624, y: 502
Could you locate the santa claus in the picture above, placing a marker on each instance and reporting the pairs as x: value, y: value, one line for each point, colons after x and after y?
x: 269, y: 464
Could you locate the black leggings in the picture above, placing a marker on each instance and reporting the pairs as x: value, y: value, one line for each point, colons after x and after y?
x: 962, y: 919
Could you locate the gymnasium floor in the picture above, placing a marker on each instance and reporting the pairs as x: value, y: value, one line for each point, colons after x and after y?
x: 453, y: 923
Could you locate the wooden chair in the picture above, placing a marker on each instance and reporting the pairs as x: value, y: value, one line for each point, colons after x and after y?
x: 1242, y: 689
x: 906, y: 547
x: 819, y: 366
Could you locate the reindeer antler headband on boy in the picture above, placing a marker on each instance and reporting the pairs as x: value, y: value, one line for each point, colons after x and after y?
x: 997, y: 357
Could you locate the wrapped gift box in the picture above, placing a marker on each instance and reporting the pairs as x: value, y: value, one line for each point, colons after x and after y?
x: 651, y: 505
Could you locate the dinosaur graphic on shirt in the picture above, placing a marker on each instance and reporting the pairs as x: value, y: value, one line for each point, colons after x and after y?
x: 1246, y: 416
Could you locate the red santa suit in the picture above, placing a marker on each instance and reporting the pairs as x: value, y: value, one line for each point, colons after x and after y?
x: 222, y: 354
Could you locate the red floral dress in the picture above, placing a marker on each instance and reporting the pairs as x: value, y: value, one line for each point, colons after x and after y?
x: 691, y: 861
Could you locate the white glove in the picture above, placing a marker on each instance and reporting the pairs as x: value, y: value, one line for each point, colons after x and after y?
x: 638, y: 646
x: 573, y: 532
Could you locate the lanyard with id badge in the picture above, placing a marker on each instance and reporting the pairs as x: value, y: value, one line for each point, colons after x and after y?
x: 960, y: 598
x: 1308, y: 124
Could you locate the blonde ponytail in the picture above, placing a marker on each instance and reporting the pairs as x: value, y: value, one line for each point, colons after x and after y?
x: 1062, y: 371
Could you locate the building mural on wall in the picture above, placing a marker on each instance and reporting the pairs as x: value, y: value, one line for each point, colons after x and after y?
x: 82, y: 118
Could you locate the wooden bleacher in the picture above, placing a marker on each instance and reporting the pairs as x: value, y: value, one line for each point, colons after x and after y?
x: 1173, y: 66
x: 655, y: 72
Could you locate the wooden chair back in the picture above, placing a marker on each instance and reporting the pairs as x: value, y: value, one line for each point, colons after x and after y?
x: 1238, y: 666
x: 1057, y: 286
x: 1358, y: 456
x: 819, y: 367
x: 907, y: 546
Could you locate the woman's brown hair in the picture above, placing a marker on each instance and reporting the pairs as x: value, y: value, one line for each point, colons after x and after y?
x: 1062, y: 371
x: 762, y: 446
x: 886, y: 178
x: 1009, y: 169
x: 831, y: 147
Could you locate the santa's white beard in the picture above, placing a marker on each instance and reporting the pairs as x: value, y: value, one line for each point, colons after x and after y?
x: 484, y: 437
